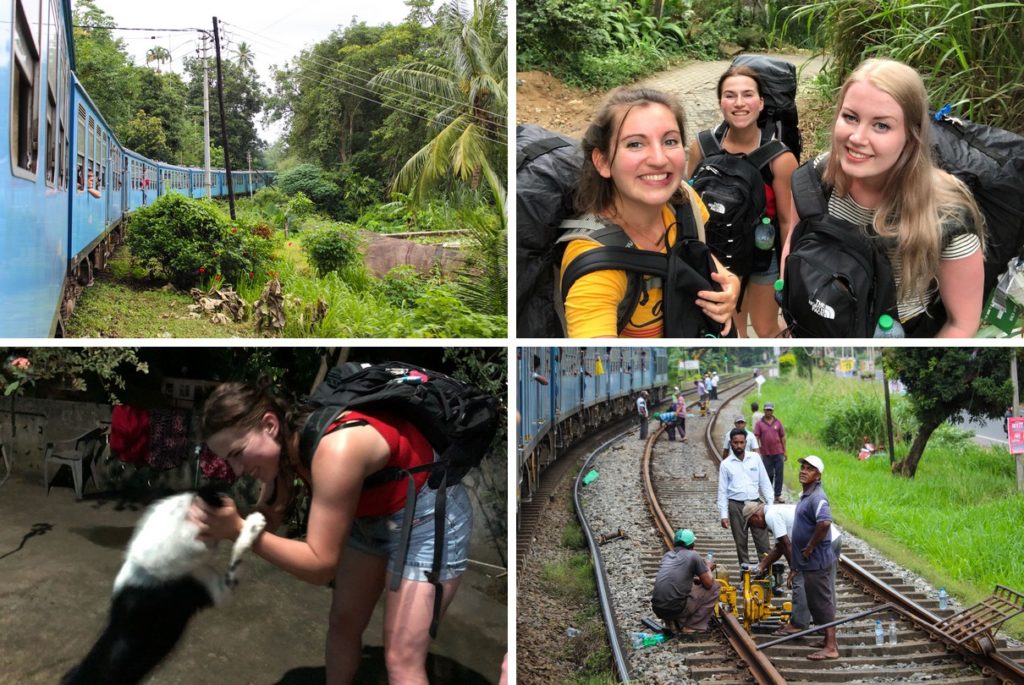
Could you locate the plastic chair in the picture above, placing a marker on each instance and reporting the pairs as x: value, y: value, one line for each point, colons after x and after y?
x: 7, y: 462
x: 78, y: 454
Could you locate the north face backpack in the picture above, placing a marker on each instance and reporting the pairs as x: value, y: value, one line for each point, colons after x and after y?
x: 838, y: 278
x: 732, y: 188
x: 778, y: 83
x: 990, y: 162
x: 547, y: 169
x: 459, y: 421
x: 681, y: 272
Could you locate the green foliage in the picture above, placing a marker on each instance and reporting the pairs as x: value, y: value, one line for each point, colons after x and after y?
x: 313, y: 182
x: 401, y: 286
x: 189, y: 240
x: 70, y: 367
x: 299, y: 206
x: 484, y: 282
x: 440, y: 312
x: 330, y: 247
x: 145, y: 135
x: 787, y: 362
x: 572, y: 578
x: 850, y: 417
x: 970, y: 54
x: 572, y: 537
x: 103, y: 65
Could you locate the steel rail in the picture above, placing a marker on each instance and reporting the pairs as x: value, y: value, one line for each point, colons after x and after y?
x: 601, y: 577
x: 991, y: 663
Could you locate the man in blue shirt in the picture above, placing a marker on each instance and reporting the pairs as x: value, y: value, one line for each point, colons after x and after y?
x: 812, y: 553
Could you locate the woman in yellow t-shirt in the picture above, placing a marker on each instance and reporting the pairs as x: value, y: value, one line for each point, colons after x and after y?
x: 634, y: 159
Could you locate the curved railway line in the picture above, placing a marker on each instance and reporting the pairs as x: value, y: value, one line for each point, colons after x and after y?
x: 680, y: 484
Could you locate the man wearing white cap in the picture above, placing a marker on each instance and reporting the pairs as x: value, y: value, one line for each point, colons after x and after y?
x: 685, y: 592
x: 812, y: 552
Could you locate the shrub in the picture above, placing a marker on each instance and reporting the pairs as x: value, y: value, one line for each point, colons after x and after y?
x: 401, y: 286
x: 189, y: 240
x: 268, y: 197
x: 851, y: 417
x: 330, y: 247
x: 314, y: 183
x: 787, y: 362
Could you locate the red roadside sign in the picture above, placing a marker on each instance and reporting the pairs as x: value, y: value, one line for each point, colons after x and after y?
x: 1016, y: 434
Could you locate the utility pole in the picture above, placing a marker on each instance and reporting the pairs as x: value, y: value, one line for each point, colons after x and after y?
x: 248, y: 156
x: 207, y: 173
x: 223, y: 121
x: 1016, y: 412
x: 888, y: 418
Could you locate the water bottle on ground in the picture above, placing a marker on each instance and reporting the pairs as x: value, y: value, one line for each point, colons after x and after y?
x: 710, y: 559
x: 879, y: 633
x: 888, y: 327
x: 764, y: 235
x: 637, y: 640
x: 943, y: 599
x: 892, y: 632
x: 572, y: 632
x: 655, y: 639
x: 779, y: 285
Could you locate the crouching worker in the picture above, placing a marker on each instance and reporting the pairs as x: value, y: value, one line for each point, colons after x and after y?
x: 685, y: 592
x: 671, y: 421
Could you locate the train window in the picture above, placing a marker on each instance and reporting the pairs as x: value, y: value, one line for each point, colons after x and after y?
x: 81, y: 149
x: 62, y: 114
x: 24, y: 124
x: 52, y: 97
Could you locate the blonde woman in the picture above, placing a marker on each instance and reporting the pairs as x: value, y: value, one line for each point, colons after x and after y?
x: 882, y: 177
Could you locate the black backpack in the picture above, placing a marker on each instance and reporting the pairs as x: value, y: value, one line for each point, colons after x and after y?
x: 459, y: 421
x: 547, y: 169
x: 683, y: 271
x: 732, y: 189
x: 778, y: 85
x: 990, y: 161
x: 838, y: 280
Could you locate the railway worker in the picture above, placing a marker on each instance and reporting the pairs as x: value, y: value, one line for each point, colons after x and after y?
x: 685, y: 592
x: 670, y: 420
x: 742, y: 479
x: 741, y: 423
x: 714, y: 385
x: 778, y: 518
x: 755, y: 413
x: 642, y: 413
x: 812, y: 553
x: 772, y: 438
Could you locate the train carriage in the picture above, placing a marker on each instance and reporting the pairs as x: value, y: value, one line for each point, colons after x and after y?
x: 586, y: 387
x: 66, y: 182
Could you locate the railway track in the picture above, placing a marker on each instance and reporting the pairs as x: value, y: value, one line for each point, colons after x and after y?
x: 683, y: 482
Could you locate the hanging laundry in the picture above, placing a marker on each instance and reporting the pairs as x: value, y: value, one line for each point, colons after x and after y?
x: 129, y: 434
x: 168, y: 442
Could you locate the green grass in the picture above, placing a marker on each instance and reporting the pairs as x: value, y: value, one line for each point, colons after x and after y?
x: 957, y: 523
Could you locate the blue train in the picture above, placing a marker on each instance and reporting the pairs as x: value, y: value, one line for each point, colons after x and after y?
x: 585, y: 388
x: 66, y: 183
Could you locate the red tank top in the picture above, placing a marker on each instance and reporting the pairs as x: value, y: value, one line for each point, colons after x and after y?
x: 408, y: 448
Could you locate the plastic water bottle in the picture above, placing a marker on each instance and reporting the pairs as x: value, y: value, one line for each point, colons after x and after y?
x: 572, y: 632
x: 943, y: 599
x: 710, y: 559
x: 888, y: 327
x: 653, y: 639
x: 879, y: 633
x: 892, y: 632
x: 637, y: 640
x: 764, y: 235
x: 779, y: 285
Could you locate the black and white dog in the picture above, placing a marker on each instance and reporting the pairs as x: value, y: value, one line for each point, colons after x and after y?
x: 166, y: 579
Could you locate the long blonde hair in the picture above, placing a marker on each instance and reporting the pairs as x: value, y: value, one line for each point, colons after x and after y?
x: 917, y: 197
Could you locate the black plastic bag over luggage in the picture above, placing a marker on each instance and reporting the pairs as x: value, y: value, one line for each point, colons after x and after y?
x: 990, y: 161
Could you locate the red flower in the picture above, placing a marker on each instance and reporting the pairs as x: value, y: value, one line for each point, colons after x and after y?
x: 202, y: 269
x: 21, y: 363
x: 217, y: 277
x: 252, y: 274
x: 289, y: 243
x: 234, y: 229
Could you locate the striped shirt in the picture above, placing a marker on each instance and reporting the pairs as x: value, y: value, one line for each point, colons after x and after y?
x: 958, y: 241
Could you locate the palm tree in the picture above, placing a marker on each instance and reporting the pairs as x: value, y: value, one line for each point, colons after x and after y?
x: 471, y: 103
x: 245, y: 58
x: 158, y: 55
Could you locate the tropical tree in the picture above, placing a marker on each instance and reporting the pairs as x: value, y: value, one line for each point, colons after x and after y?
x: 945, y: 383
x: 468, y: 91
x: 244, y: 56
x: 159, y: 55
x: 103, y: 65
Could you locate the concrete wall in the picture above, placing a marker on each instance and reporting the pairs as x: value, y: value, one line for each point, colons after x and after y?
x: 38, y: 421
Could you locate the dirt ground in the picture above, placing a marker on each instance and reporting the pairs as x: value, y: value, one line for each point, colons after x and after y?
x: 58, y: 560
x: 543, y: 99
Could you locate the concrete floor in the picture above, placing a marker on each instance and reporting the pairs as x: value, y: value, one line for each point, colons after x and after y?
x: 58, y: 560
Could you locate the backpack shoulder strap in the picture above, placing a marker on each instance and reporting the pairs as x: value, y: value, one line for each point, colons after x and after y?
x: 766, y: 153
x: 595, y: 228
x: 708, y: 143
x: 808, y: 191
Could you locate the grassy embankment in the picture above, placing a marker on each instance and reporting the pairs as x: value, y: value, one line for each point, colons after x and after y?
x: 957, y: 523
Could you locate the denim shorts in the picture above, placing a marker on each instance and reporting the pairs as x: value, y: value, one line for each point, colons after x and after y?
x: 769, y: 275
x: 380, y: 536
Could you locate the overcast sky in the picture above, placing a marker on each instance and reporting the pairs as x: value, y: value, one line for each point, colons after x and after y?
x: 275, y: 31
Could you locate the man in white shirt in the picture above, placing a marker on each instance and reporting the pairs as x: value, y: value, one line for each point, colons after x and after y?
x: 642, y: 413
x: 742, y: 479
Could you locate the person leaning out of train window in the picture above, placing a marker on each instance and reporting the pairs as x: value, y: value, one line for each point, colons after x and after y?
x: 634, y: 158
x: 93, y: 190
